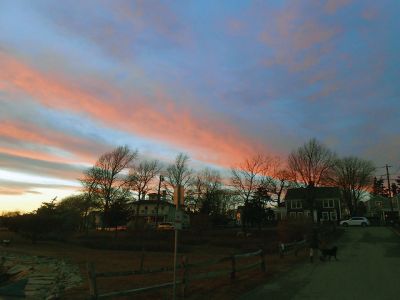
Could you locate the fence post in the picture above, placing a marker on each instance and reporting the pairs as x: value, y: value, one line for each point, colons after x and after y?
x: 281, y: 249
x: 262, y: 261
x: 91, y: 272
x: 233, y: 273
x: 141, y: 260
x: 185, y: 276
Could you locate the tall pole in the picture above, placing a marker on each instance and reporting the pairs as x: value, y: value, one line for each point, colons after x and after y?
x: 389, y: 188
x: 178, y: 196
x: 158, y: 197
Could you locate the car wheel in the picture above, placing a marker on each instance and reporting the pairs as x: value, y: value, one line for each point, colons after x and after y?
x: 345, y: 224
x: 363, y: 224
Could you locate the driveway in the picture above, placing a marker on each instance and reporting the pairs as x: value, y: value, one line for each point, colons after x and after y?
x: 368, y: 268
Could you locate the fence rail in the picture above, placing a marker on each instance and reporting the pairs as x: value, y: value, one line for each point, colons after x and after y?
x: 186, y: 277
x: 294, y: 247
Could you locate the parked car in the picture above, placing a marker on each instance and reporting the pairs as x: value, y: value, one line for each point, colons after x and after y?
x: 355, y: 221
x: 166, y: 226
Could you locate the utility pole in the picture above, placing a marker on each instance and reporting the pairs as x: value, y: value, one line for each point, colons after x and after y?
x: 389, y: 188
x: 178, y: 198
x: 158, y: 197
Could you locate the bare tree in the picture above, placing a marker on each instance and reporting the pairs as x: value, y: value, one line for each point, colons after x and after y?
x: 141, y: 175
x: 179, y: 172
x: 90, y: 182
x: 195, y: 192
x: 279, y: 181
x: 354, y: 176
x: 312, y: 163
x: 250, y: 175
x: 206, y: 187
x: 111, y: 181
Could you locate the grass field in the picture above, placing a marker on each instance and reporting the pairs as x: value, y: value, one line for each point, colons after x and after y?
x: 196, y: 246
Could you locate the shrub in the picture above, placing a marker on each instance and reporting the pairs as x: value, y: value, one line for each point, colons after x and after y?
x: 293, y: 230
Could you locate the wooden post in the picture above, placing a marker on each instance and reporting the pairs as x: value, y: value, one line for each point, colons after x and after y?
x: 262, y: 261
x: 2, y: 268
x: 91, y: 272
x: 185, y: 275
x: 233, y: 273
x: 281, y: 249
x: 141, y: 260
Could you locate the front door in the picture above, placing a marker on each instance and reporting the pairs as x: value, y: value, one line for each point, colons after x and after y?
x: 315, y: 216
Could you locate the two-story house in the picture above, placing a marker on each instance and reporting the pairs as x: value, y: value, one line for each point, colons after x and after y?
x: 321, y: 204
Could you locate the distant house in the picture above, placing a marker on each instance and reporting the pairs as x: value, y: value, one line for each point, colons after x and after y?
x: 280, y: 211
x: 326, y: 200
x: 379, y: 207
x: 146, y: 210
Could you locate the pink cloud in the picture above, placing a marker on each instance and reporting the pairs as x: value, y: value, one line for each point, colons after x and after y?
x: 332, y: 6
x: 30, y: 133
x: 370, y: 14
x: 174, y: 125
x: 299, y: 43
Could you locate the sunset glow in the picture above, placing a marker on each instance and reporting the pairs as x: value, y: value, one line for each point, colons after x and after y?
x: 218, y: 80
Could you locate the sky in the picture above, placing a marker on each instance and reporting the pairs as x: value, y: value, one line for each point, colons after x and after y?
x: 218, y: 80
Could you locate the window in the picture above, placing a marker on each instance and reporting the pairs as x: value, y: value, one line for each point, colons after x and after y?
x: 299, y: 215
x: 325, y: 216
x: 296, y: 204
x: 292, y: 215
x: 328, y: 203
x: 333, y: 216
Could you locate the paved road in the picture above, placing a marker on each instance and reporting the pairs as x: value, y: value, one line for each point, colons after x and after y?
x: 368, y: 268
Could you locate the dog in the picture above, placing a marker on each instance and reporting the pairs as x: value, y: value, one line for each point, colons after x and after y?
x: 329, y: 253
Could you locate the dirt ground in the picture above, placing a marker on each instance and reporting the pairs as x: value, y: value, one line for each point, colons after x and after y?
x: 118, y: 260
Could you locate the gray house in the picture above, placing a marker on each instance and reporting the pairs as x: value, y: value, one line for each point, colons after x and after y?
x: 321, y: 204
x: 147, y: 211
x: 380, y: 207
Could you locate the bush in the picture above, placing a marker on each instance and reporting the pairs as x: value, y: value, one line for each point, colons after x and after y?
x: 293, y: 230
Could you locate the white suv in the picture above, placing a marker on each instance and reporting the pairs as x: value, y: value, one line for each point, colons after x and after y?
x: 355, y: 221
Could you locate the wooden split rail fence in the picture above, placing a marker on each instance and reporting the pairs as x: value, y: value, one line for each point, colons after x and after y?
x: 186, y: 274
x: 288, y: 248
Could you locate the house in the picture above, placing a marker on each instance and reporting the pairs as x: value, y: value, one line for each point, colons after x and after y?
x: 326, y: 203
x: 146, y: 210
x: 280, y: 211
x: 380, y: 207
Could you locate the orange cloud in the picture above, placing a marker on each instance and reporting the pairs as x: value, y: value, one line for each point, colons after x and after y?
x: 79, y: 148
x: 207, y: 138
x: 32, y: 154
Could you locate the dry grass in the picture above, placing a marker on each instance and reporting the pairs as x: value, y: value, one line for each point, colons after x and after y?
x: 117, y: 260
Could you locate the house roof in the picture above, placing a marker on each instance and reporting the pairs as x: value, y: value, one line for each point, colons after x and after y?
x: 385, y: 202
x: 147, y: 202
x: 320, y: 192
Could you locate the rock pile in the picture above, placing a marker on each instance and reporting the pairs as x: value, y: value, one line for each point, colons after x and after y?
x: 37, y: 277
